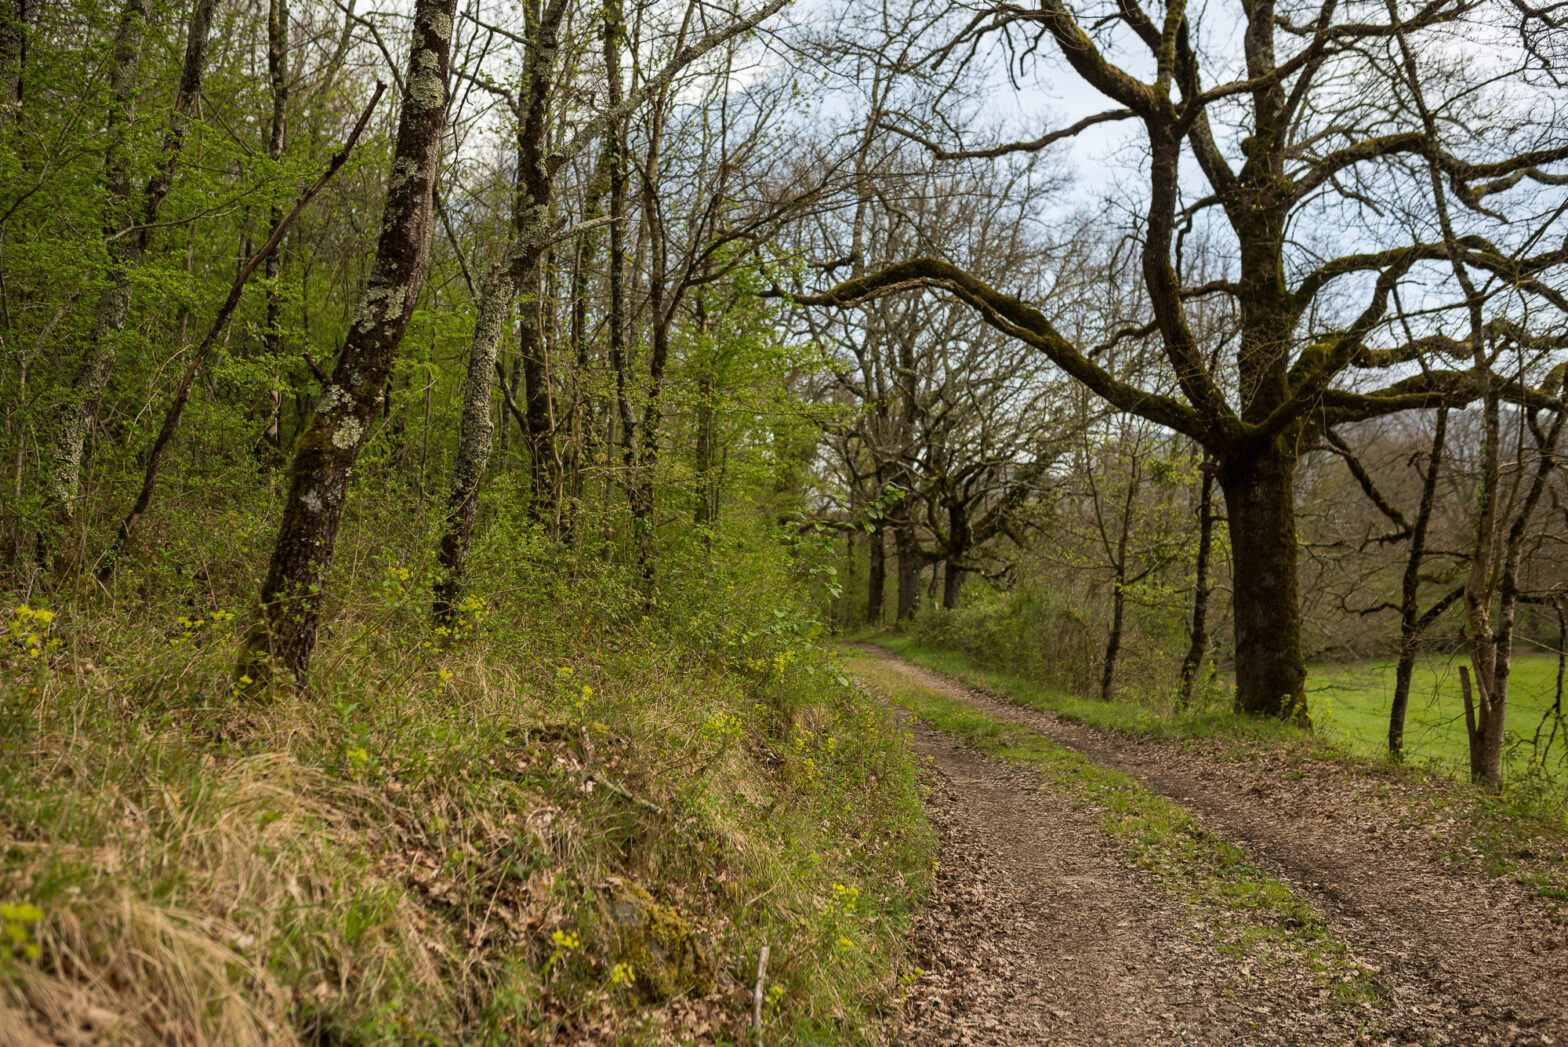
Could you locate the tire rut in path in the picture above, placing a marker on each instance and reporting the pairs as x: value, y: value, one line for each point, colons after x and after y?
x: 1041, y: 932
x: 1467, y: 960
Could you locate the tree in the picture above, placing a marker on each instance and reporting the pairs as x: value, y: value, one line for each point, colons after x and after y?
x: 294, y: 588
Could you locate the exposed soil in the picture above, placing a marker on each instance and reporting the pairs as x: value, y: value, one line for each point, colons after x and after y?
x: 1042, y: 932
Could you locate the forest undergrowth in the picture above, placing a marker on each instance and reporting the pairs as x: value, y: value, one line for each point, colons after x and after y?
x: 575, y: 814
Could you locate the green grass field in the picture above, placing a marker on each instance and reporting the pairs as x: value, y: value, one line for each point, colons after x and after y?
x: 1350, y: 706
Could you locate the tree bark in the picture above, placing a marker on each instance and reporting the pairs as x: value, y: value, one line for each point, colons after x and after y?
x: 707, y: 511
x: 958, y: 538
x: 14, y: 17
x: 1411, y: 622
x: 277, y: 76
x: 329, y: 446
x: 1113, y: 639
x: 1198, y: 631
x: 475, y: 434
x: 539, y: 409
x: 876, y: 574
x: 907, y: 548
x: 1260, y: 507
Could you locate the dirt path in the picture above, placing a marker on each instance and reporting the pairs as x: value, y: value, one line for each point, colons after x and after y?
x: 1043, y: 933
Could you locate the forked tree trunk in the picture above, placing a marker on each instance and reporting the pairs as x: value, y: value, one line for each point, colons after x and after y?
x: 329, y: 446
x: 1492, y: 646
x: 1260, y: 508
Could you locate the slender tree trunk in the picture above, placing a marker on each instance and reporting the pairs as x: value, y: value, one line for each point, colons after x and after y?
x: 585, y: 437
x: 324, y: 458
x: 642, y: 497
x: 475, y: 433
x: 519, y: 269
x: 1411, y: 622
x: 1260, y: 508
x: 1198, y: 630
x: 615, y: 149
x: 1497, y: 646
x: 277, y: 75
x: 707, y: 513
x: 1113, y: 639
x: 876, y: 574
x: 538, y: 408
x: 13, y: 56
x: 220, y: 323
x: 125, y: 251
x: 70, y: 428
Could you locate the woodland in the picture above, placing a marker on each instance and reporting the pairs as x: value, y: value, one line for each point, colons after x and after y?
x: 446, y: 443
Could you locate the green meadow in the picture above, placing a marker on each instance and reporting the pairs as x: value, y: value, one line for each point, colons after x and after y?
x: 1350, y: 703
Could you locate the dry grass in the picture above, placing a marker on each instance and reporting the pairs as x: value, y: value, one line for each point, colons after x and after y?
x: 395, y: 858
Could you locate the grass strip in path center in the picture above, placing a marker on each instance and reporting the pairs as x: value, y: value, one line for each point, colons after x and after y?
x: 1246, y: 913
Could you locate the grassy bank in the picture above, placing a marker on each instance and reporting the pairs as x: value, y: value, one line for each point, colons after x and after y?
x: 570, y: 823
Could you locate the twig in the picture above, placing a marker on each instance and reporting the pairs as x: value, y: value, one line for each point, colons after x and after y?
x: 756, y: 994
x: 315, y: 368
x: 623, y: 792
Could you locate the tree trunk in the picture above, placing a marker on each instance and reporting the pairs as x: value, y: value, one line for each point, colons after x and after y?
x: 1260, y: 507
x: 1411, y: 622
x: 13, y: 56
x: 1113, y: 639
x: 475, y: 433
x: 220, y: 323
x: 1198, y: 631
x: 277, y: 75
x: 908, y: 549
x: 538, y: 408
x: 957, y: 545
x: 876, y: 574
x: 707, y: 513
x: 70, y: 427
x: 324, y: 458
